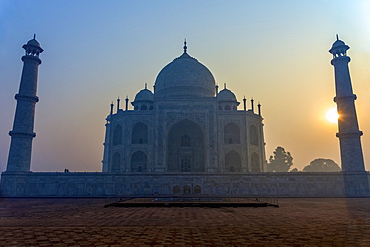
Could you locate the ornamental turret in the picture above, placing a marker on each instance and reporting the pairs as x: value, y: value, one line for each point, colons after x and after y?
x: 348, y: 129
x: 19, y: 158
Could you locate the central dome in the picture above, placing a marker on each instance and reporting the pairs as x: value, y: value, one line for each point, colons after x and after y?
x: 184, y: 77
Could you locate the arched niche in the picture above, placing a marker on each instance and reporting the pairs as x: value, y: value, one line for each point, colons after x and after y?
x: 231, y: 134
x: 197, y: 189
x: 116, y: 162
x: 139, y: 162
x: 176, y: 189
x: 139, y: 134
x: 185, y: 147
x: 233, y: 161
x: 117, y: 135
x: 255, y: 163
x: 253, y: 135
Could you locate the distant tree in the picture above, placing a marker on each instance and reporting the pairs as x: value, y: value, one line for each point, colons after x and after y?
x: 322, y: 165
x: 281, y: 161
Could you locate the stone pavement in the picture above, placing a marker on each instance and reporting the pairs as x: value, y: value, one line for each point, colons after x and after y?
x: 85, y: 222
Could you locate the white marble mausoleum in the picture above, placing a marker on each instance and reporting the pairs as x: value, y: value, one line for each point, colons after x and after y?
x: 185, y: 126
x: 187, y: 138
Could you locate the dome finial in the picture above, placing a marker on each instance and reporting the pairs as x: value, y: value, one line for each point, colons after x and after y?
x: 224, y: 85
x: 34, y: 36
x: 337, y: 37
x: 185, y: 47
x: 146, y: 85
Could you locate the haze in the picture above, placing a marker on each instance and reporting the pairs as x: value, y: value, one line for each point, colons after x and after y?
x: 95, y: 51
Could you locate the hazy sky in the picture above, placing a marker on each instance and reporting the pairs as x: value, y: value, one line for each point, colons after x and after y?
x: 95, y: 51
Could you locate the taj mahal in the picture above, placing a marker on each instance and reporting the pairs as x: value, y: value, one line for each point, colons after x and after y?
x: 185, y: 126
x: 188, y: 137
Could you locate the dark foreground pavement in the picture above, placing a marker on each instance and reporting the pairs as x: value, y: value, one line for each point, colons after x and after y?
x: 85, y: 222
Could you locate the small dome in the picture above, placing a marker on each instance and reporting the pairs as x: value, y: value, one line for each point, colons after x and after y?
x: 185, y: 77
x: 226, y: 95
x: 338, y: 43
x: 144, y: 95
x: 338, y: 47
x: 33, y: 42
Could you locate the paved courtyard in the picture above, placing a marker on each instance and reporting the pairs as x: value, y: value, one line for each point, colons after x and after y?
x: 85, y: 222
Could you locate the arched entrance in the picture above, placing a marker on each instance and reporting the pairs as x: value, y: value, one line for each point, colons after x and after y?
x: 233, y: 162
x: 255, y: 163
x: 139, y: 134
x: 139, y: 162
x: 231, y: 134
x: 116, y: 163
x: 185, y: 144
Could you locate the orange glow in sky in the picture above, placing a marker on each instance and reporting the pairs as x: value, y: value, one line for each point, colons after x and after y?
x: 332, y: 115
x: 95, y: 51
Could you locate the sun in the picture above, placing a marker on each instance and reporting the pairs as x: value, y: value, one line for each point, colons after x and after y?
x: 332, y: 115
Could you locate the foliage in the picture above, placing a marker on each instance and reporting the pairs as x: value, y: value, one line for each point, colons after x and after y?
x: 281, y: 161
x: 322, y: 165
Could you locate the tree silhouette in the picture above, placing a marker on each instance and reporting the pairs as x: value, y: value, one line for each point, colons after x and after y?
x: 322, y: 165
x: 281, y: 161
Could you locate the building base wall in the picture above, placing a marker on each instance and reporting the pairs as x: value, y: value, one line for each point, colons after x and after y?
x: 97, y: 184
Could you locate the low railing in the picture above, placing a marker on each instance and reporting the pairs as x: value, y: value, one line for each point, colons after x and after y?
x: 190, y: 200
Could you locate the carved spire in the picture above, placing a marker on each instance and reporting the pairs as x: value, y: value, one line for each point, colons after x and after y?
x: 111, y: 108
x: 245, y: 103
x: 118, y: 100
x: 259, y: 108
x: 185, y: 47
x: 126, y: 102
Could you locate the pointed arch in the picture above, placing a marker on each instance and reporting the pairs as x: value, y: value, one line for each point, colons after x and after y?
x: 116, y: 162
x: 187, y: 189
x: 233, y: 161
x: 176, y: 189
x: 231, y: 134
x: 253, y: 135
x: 117, y: 135
x: 197, y: 189
x: 139, y: 134
x: 255, y: 162
x: 185, y: 145
x: 139, y: 162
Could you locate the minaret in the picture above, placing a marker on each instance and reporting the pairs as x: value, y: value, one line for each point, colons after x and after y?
x: 22, y: 134
x: 348, y: 130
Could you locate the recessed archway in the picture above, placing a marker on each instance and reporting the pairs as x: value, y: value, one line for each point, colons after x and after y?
x: 116, y: 162
x: 139, y: 134
x: 186, y: 151
x: 233, y: 162
x: 255, y: 163
x: 117, y: 135
x: 139, y: 162
x: 231, y: 134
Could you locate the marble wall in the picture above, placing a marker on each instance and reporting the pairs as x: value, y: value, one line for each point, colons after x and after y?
x: 97, y: 184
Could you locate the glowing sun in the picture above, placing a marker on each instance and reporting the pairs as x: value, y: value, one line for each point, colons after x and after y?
x: 332, y: 115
